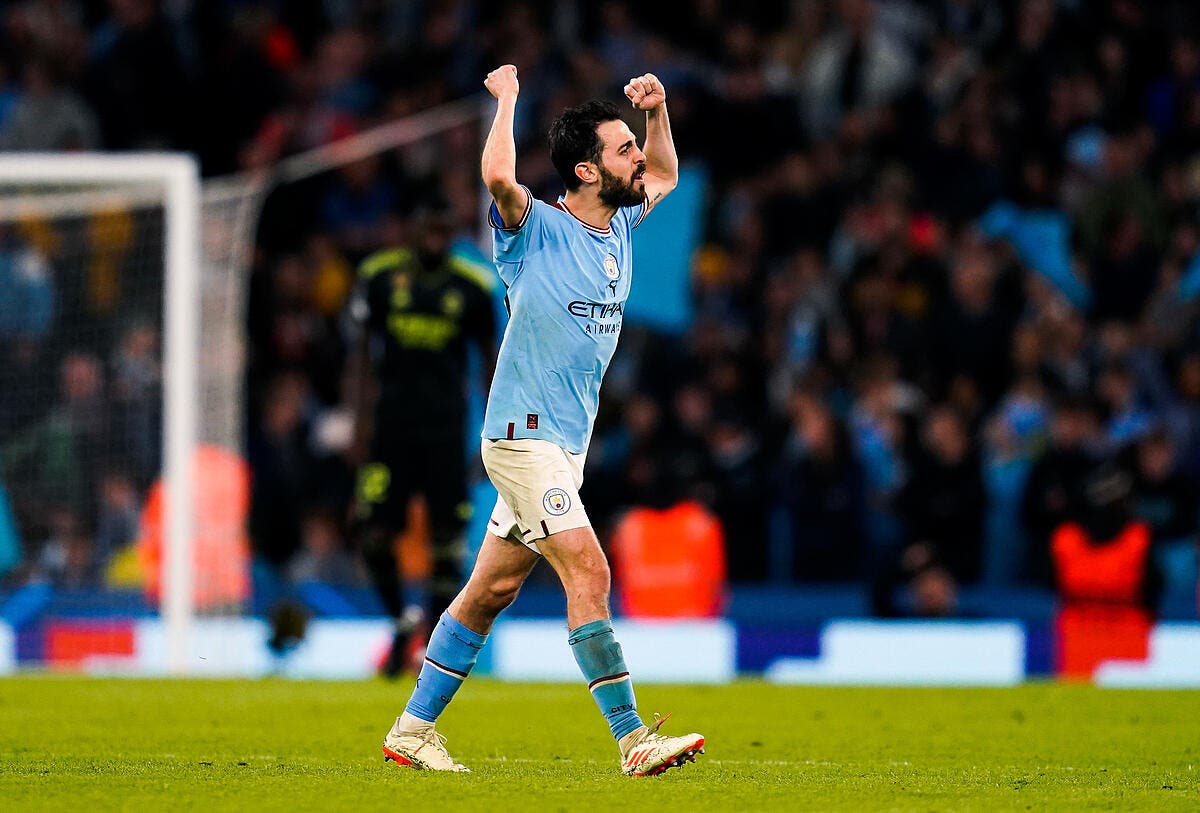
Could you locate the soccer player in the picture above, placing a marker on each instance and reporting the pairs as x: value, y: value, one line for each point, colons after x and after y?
x: 567, y: 268
x: 419, y: 307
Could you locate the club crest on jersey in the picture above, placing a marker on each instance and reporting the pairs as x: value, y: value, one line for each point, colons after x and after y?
x: 556, y: 502
x: 611, y: 269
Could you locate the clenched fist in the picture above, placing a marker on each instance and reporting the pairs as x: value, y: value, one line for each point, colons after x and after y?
x: 645, y: 91
x: 502, y: 82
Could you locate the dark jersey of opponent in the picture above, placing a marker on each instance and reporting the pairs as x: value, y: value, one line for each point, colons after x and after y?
x: 421, y: 323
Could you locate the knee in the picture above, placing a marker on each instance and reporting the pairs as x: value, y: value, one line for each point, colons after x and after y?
x: 498, y: 594
x: 590, y: 575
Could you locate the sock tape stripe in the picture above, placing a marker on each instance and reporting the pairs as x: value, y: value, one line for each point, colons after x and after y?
x: 446, y: 669
x: 607, y: 679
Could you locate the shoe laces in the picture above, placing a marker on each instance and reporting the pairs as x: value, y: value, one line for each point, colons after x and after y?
x: 436, y: 739
x: 652, y: 730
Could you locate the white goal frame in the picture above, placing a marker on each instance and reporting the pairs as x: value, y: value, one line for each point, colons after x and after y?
x: 177, y: 175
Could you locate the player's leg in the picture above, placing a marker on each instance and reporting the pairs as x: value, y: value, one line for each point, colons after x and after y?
x: 460, y: 633
x: 541, y: 481
x: 499, y: 572
x: 382, y: 493
x: 462, y: 630
x: 582, y: 567
x: 576, y: 556
x: 444, y: 482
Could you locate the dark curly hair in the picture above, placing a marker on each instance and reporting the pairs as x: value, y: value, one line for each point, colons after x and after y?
x: 573, y: 138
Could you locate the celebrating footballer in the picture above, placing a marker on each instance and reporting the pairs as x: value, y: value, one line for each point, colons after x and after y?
x: 567, y: 269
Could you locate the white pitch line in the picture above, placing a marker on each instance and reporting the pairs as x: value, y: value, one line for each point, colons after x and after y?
x: 527, y: 761
x: 764, y: 762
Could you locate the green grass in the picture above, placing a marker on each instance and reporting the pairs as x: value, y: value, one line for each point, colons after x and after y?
x: 89, y: 744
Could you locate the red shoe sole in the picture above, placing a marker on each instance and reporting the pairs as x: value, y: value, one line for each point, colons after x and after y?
x: 391, y: 756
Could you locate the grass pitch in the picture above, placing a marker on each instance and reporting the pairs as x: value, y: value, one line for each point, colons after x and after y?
x: 89, y: 744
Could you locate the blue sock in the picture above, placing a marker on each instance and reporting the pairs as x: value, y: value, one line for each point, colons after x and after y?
x: 449, y: 658
x: 599, y: 657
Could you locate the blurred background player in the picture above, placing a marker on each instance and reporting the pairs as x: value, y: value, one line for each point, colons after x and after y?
x: 417, y: 310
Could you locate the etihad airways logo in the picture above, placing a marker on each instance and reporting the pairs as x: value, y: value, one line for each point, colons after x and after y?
x: 598, y: 315
x: 595, y: 310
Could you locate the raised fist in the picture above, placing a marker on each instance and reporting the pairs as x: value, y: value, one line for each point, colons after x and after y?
x: 645, y: 91
x: 502, y: 82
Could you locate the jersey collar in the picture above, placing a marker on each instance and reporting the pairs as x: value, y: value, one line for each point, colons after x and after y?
x: 562, y: 204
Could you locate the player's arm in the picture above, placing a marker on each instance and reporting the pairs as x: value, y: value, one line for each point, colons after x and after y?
x: 500, y: 150
x: 662, y: 164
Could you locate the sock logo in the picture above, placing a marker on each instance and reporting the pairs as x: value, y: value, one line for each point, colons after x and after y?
x: 621, y: 708
x: 556, y: 502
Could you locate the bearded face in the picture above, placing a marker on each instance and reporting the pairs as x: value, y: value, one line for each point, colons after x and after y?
x: 617, y: 192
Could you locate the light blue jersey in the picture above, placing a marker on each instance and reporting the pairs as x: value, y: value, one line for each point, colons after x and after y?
x: 567, y: 285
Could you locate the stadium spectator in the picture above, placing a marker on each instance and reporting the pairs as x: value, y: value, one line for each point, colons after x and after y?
x: 220, y: 564
x: 971, y: 338
x: 1167, y: 502
x: 669, y: 561
x: 136, y: 80
x: 282, y: 466
x: 323, y: 557
x: 26, y: 289
x: 916, y: 584
x: 47, y: 116
x: 943, y: 502
x: 67, y: 558
x: 1183, y: 415
x: 360, y: 208
x: 854, y: 72
x: 1106, y: 577
x: 821, y: 488
x: 53, y: 463
x: 740, y: 488
x: 1053, y: 492
x: 118, y: 515
x: 137, y: 402
x: 1014, y: 435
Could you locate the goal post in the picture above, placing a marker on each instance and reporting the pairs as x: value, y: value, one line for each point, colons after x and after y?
x: 171, y: 180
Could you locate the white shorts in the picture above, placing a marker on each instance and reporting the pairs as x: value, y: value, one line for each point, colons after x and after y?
x: 538, y: 485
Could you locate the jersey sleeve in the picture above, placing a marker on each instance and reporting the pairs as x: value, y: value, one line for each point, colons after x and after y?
x: 510, y: 243
x: 628, y: 218
x: 634, y: 215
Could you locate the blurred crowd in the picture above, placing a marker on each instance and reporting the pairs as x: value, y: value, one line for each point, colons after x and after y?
x: 945, y: 302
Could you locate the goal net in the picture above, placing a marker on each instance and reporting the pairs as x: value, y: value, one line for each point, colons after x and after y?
x: 123, y: 358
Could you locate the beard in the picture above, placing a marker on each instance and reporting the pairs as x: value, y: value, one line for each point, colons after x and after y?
x: 616, y: 192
